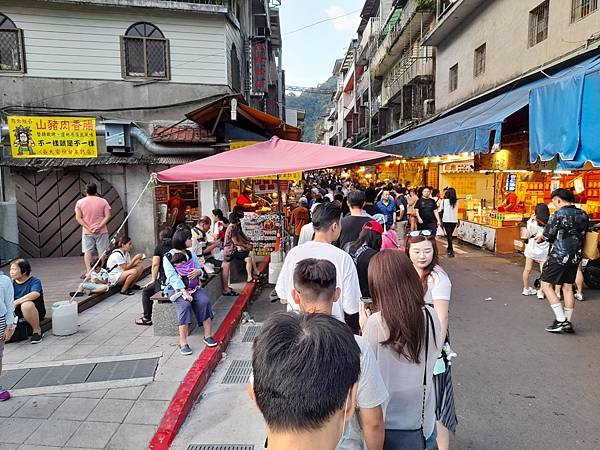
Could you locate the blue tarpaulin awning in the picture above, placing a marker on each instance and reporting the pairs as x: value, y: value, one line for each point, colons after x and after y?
x: 564, y: 117
x: 479, y: 127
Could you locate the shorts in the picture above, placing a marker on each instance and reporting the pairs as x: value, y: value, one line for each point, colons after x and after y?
x: 2, y: 330
x: 241, y: 256
x: 557, y: 274
x: 200, y: 307
x: 99, y: 242
x: 39, y: 305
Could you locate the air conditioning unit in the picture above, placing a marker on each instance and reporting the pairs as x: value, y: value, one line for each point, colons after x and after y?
x: 428, y: 107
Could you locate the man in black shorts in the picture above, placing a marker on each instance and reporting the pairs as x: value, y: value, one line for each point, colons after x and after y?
x: 565, y: 231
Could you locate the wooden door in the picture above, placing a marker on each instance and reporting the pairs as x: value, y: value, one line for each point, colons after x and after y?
x: 46, y: 211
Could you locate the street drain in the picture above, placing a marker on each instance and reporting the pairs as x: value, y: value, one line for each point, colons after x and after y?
x: 251, y: 333
x: 78, y: 373
x: 221, y: 447
x: 239, y: 372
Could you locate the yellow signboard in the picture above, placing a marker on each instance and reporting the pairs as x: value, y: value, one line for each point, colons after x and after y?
x: 53, y: 137
x: 293, y: 176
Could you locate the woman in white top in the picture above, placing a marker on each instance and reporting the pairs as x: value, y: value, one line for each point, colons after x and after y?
x: 449, y: 212
x: 535, y: 252
x: 423, y: 254
x: 122, y: 268
x: 404, y: 337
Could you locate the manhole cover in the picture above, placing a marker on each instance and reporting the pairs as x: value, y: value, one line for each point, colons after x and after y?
x: 251, y: 333
x: 239, y: 372
x: 220, y: 447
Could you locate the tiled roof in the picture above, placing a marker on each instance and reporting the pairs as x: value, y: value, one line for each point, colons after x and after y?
x: 183, y: 135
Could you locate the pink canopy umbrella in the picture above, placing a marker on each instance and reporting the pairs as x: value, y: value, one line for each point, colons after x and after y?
x: 273, y: 157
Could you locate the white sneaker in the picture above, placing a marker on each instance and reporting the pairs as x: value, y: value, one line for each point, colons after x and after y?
x: 540, y: 294
x: 529, y: 291
x: 175, y: 296
x: 579, y: 296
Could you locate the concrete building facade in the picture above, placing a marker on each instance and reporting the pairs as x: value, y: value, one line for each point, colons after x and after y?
x: 481, y: 44
x: 144, y: 62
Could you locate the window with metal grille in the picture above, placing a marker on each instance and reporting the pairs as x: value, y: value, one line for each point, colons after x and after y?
x: 11, y: 46
x: 538, y: 23
x: 453, y: 83
x: 479, y: 61
x: 582, y: 8
x: 145, y: 52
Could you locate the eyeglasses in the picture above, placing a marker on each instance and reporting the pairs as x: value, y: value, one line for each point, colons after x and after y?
x: 424, y: 233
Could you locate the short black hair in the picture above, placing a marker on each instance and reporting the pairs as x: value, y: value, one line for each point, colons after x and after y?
x: 165, y: 235
x: 91, y: 189
x: 178, y: 258
x: 23, y: 265
x: 123, y: 240
x: 179, y: 239
x: 356, y: 199
x: 326, y: 215
x: 564, y: 194
x: 304, y: 368
x: 315, y: 279
x: 370, y: 195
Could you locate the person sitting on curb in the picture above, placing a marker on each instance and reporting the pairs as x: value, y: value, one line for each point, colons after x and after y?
x: 310, y: 362
x: 315, y: 292
x: 7, y: 322
x: 96, y: 283
x: 123, y: 269
x: 158, y: 276
x: 200, y: 241
x: 186, y: 304
x: 29, y: 297
x: 237, y: 247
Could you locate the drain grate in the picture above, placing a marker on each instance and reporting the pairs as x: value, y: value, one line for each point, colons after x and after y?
x: 220, y: 447
x: 239, y: 372
x: 78, y: 373
x: 251, y: 333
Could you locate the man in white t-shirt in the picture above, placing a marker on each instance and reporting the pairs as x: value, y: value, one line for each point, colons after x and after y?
x: 326, y: 223
x: 315, y: 292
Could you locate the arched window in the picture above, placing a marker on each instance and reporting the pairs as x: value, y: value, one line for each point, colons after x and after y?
x: 11, y: 46
x: 234, y: 61
x: 145, y: 52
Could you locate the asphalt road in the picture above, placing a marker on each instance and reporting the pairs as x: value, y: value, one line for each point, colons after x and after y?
x: 516, y: 385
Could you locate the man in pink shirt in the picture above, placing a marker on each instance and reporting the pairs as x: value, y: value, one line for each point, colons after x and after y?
x: 93, y: 213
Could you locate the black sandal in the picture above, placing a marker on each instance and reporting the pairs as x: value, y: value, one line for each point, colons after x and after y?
x: 231, y: 293
x: 143, y: 321
x: 129, y: 292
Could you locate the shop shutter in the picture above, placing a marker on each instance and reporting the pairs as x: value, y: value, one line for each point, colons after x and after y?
x: 46, y: 211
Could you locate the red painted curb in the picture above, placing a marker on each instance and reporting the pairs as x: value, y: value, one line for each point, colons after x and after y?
x: 199, y: 374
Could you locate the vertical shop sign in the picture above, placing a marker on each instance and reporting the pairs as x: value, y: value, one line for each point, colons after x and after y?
x: 53, y: 137
x: 259, y: 67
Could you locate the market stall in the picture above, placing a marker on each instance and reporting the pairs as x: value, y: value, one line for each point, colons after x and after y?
x: 268, y: 160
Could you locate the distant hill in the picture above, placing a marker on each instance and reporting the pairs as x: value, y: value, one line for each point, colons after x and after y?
x: 315, y: 105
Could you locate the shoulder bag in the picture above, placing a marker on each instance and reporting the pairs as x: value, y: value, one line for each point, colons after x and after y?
x: 412, y: 439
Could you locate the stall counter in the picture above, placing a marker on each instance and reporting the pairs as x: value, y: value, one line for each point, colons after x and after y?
x: 495, y: 239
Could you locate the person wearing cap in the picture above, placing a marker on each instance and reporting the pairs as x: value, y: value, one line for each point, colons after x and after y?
x: 300, y: 217
x: 363, y: 249
x: 244, y: 200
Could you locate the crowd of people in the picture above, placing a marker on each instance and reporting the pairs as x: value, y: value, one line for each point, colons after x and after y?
x: 343, y: 280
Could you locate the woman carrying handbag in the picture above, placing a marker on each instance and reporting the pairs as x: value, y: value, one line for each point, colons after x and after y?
x: 403, y: 335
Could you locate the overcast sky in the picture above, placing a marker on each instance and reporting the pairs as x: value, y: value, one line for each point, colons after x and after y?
x: 309, y: 54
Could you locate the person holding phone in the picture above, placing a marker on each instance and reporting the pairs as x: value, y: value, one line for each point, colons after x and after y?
x: 123, y: 269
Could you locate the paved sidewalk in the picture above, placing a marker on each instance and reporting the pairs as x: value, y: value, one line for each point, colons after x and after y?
x: 123, y: 414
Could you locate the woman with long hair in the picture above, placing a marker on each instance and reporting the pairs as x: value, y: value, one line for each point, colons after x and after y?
x: 449, y: 212
x: 187, y: 304
x: 362, y: 250
x: 237, y: 246
x: 404, y: 337
x: 423, y: 253
x: 411, y: 199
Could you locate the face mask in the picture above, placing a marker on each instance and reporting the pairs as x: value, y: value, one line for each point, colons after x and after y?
x: 345, y: 436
